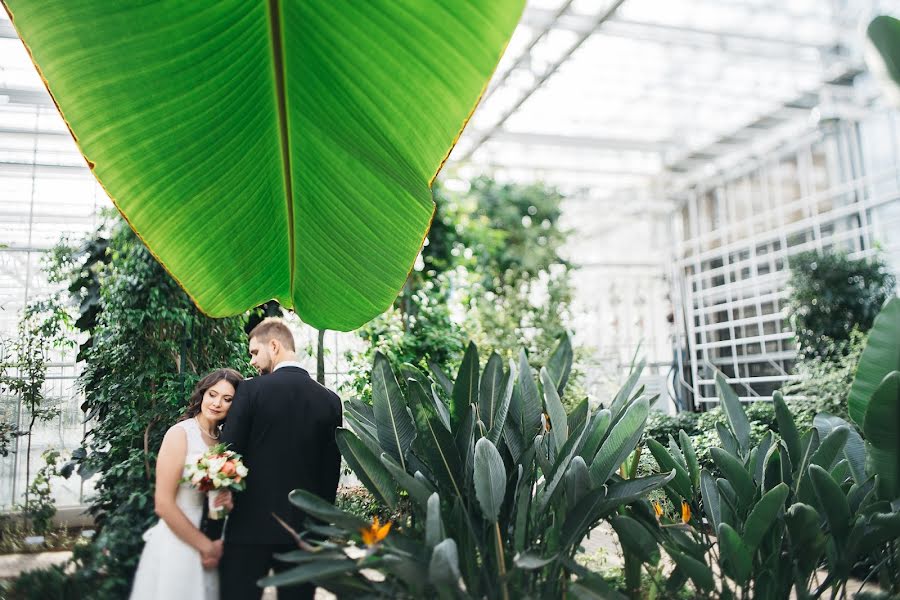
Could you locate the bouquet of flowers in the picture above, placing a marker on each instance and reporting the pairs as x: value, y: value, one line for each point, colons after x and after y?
x: 215, y: 471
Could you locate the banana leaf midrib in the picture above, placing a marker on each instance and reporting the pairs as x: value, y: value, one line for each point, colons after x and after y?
x: 278, y: 63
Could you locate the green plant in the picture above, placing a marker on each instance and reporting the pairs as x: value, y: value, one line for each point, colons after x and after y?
x: 149, y: 345
x: 44, y: 584
x: 348, y: 134
x: 45, y: 326
x: 832, y: 294
x: 783, y: 507
x: 39, y: 507
x: 503, y: 484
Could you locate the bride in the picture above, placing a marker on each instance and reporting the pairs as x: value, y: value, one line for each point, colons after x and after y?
x: 178, y: 560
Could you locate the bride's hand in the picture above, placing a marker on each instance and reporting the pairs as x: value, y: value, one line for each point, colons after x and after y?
x: 225, y: 500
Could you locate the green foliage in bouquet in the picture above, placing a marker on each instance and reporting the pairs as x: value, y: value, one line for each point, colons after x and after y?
x: 504, y: 485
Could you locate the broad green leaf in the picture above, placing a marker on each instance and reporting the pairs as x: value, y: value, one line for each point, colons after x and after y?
x: 578, y: 481
x: 325, y: 511
x: 444, y: 567
x: 489, y: 392
x: 620, y: 442
x: 312, y: 571
x: 763, y: 515
x: 417, y: 490
x: 682, y: 482
x: 598, y: 425
x: 882, y: 429
x: 465, y: 388
x: 559, y: 422
x: 579, y: 415
x: 736, y: 556
x: 365, y: 434
x: 833, y: 501
x: 434, y: 444
x: 806, y: 535
x: 758, y: 462
x: 367, y: 466
x: 700, y: 573
x: 507, y: 385
x: 736, y: 474
x: 271, y: 149
x: 395, y: 425
x: 728, y: 502
x: 690, y: 457
x: 635, y: 539
x: 620, y: 401
x: 439, y: 405
x: 559, y: 365
x: 880, y: 356
x: 530, y: 400
x: 729, y: 443
x: 824, y: 457
x: 854, y: 450
x: 441, y: 378
x: 710, y: 496
x: 364, y: 412
x: 434, y: 527
x: 557, y: 474
x: 787, y: 427
x: 490, y: 479
x: 737, y: 418
x: 883, y: 57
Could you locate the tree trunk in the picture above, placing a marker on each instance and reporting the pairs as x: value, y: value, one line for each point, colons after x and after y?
x: 320, y: 358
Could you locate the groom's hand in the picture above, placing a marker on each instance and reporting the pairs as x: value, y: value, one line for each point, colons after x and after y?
x: 211, y: 556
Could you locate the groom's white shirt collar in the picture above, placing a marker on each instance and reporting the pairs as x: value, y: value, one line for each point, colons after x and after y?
x: 287, y: 363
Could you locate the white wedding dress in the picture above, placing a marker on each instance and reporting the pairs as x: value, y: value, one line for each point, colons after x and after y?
x: 170, y: 569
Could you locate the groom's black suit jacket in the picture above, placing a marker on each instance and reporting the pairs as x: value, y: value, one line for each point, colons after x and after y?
x: 283, y: 424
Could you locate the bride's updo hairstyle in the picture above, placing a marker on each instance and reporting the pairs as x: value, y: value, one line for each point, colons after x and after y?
x: 196, y: 399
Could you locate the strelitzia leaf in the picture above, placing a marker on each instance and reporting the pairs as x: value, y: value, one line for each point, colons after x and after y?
x: 394, y: 423
x: 882, y: 352
x: 434, y: 526
x: 736, y: 556
x: 558, y: 420
x: 833, y: 501
x: 635, y: 539
x: 787, y: 427
x: 490, y: 479
x: 465, y: 388
x: 737, y: 418
x: 507, y: 385
x: 882, y: 429
x: 559, y: 365
x: 736, y: 474
x: 367, y: 466
x: 620, y: 442
x: 489, y: 391
x: 311, y: 129
x: 763, y: 515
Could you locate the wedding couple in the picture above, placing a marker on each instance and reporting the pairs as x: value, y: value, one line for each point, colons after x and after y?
x: 283, y: 424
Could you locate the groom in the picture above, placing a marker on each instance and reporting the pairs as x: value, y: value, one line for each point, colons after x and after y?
x: 283, y: 423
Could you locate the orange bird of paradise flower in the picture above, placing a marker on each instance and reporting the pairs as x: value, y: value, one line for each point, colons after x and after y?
x: 685, y: 512
x: 657, y: 509
x: 375, y: 533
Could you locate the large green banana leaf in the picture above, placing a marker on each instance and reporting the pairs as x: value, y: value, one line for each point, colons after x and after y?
x: 271, y: 149
x: 880, y: 356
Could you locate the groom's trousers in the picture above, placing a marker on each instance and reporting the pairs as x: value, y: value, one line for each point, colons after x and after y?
x: 243, y: 565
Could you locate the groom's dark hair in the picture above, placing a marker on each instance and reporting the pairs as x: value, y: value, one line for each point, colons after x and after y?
x: 273, y: 328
